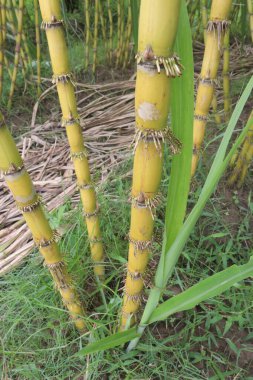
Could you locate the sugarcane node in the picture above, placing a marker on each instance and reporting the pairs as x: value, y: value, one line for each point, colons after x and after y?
x: 140, y: 245
x: 31, y: 207
x: 13, y: 169
x: 70, y: 121
x: 208, y: 81
x: 219, y: 26
x: 63, y: 78
x: 91, y: 214
x: 79, y: 155
x: 135, y: 275
x: 54, y: 23
x: 86, y: 186
x: 127, y: 315
x: 43, y: 243
x: 201, y: 117
x: 135, y: 298
x: 95, y: 240
x: 172, y: 65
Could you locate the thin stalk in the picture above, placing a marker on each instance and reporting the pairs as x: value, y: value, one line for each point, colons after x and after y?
x: 17, y: 52
x: 1, y: 52
x: 128, y: 36
x: 243, y: 159
x: 118, y: 32
x: 110, y: 31
x: 37, y: 31
x: 53, y: 25
x: 95, y: 41
x: 87, y: 32
x: 250, y: 11
x: 103, y: 26
x: 29, y: 203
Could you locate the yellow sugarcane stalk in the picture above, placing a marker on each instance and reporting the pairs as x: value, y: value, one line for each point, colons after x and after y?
x: 17, y: 51
x: 217, y: 25
x: 23, y: 36
x: 243, y: 159
x: 37, y: 31
x: 29, y: 203
x: 3, y: 16
x: 11, y: 21
x: 95, y: 41
x: 1, y: 52
x: 250, y: 11
x: 110, y: 30
x: 53, y: 25
x: 156, y: 65
x: 205, y: 22
x: 87, y: 33
x: 225, y: 74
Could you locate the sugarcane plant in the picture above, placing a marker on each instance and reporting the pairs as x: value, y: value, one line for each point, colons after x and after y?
x: 216, y: 28
x: 156, y: 66
x: 29, y: 203
x: 63, y: 79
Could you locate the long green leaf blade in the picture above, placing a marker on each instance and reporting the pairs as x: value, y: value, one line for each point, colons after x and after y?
x: 182, y: 110
x: 205, y: 289
x: 109, y: 342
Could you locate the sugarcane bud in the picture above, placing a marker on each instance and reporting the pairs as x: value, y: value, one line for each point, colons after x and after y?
x: 148, y: 54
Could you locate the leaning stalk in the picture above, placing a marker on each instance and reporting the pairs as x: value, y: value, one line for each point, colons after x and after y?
x: 29, y: 204
x: 155, y: 66
x: 217, y: 25
x: 128, y: 35
x: 53, y: 25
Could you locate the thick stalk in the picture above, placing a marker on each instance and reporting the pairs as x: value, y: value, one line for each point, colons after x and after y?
x: 87, y: 33
x: 95, y: 41
x: 37, y: 31
x: 53, y: 25
x: 217, y: 25
x: 155, y: 67
x: 28, y: 202
x: 17, y: 51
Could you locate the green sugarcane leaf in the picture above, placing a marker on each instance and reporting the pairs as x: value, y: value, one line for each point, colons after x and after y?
x: 203, y: 290
x: 135, y: 8
x: 182, y: 110
x: 219, y: 165
x: 109, y: 342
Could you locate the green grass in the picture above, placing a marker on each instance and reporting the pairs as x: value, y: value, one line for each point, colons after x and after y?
x: 38, y: 340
